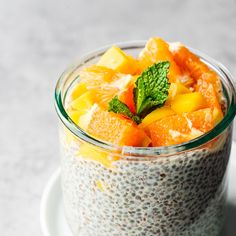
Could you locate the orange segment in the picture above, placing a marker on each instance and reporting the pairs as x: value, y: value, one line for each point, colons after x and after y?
x: 169, y: 131
x: 201, y: 119
x: 115, y: 129
x: 211, y: 98
x: 105, y: 83
x: 195, y: 67
x: 157, y: 50
x: 127, y: 97
x: 181, y: 128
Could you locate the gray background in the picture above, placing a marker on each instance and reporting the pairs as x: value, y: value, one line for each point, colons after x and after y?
x: 38, y: 40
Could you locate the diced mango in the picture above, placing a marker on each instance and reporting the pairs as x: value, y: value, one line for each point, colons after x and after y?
x: 188, y: 102
x: 78, y: 90
x: 88, y: 152
x: 175, y: 89
x: 83, y: 103
x: 100, y: 185
x: 157, y: 114
x: 74, y: 115
x: 117, y: 60
x: 217, y: 115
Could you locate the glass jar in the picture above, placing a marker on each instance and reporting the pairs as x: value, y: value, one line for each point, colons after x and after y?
x: 114, y: 191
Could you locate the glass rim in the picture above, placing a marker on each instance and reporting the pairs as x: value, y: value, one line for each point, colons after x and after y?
x: 144, y: 151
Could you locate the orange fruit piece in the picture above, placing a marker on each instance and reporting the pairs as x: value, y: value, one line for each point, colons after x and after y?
x: 157, y: 50
x: 180, y: 128
x: 192, y: 64
x: 169, y: 131
x: 127, y: 97
x: 106, y: 83
x: 202, y: 119
x: 114, y: 128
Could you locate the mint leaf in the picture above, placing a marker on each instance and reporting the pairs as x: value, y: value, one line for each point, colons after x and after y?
x: 152, y: 88
x: 119, y: 107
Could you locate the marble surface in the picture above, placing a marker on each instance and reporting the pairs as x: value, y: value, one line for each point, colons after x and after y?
x: 38, y: 40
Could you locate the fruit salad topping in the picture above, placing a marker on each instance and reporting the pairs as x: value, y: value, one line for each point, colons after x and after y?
x: 164, y: 97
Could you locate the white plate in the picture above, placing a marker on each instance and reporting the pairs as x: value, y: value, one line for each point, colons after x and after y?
x: 53, y: 221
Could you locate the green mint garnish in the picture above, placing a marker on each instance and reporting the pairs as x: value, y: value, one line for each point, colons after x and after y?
x: 152, y: 88
x: 151, y: 91
x: 119, y: 107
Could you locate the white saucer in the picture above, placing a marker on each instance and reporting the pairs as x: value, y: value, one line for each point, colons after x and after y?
x: 53, y: 222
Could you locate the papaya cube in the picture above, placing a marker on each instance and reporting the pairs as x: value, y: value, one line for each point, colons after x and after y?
x: 155, y: 115
x: 78, y: 90
x: 188, y: 102
x: 117, y: 60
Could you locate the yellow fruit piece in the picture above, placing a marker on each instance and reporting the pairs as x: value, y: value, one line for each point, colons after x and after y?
x: 88, y: 152
x: 100, y: 185
x: 217, y: 115
x: 78, y: 90
x: 74, y: 115
x: 188, y: 102
x: 157, y: 114
x: 175, y: 89
x: 83, y: 103
x: 117, y: 60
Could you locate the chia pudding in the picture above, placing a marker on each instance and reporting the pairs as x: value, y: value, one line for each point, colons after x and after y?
x: 146, y: 174
x: 181, y: 194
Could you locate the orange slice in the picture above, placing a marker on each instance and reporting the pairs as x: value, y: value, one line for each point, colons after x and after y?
x: 157, y: 50
x: 114, y: 128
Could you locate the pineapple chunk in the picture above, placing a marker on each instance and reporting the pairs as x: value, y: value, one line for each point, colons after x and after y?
x: 83, y: 103
x: 157, y: 114
x: 78, y: 90
x: 188, y: 102
x: 117, y: 60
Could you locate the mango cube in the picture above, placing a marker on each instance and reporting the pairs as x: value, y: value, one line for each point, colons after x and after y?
x: 83, y: 103
x: 217, y: 115
x: 88, y: 152
x: 74, y: 115
x: 117, y: 60
x: 78, y: 90
x: 188, y: 102
x: 177, y: 88
x: 157, y: 114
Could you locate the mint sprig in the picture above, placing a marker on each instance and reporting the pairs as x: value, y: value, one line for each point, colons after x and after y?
x: 119, y: 107
x: 151, y: 91
x: 152, y: 88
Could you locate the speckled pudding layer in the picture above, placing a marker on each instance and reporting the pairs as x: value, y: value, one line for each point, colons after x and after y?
x: 182, y: 194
